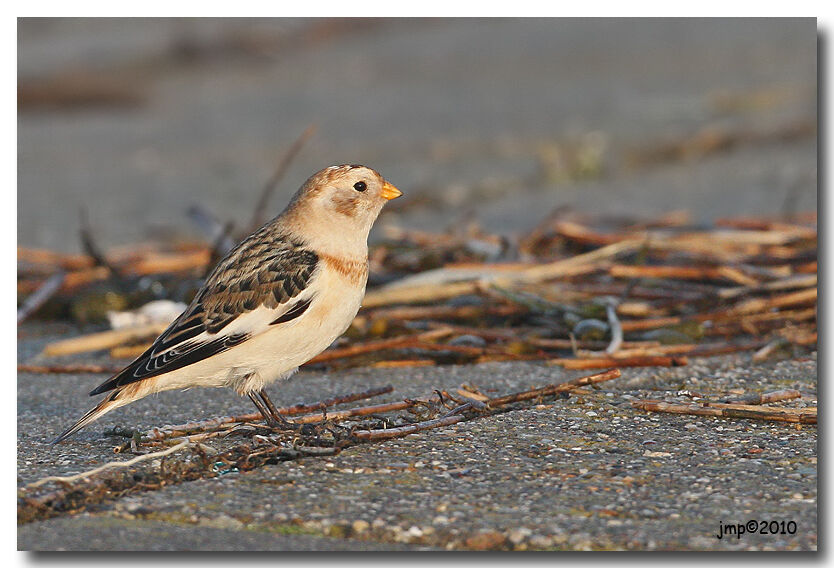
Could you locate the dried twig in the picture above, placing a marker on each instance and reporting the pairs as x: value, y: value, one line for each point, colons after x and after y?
x: 272, y: 183
x: 602, y: 362
x: 765, y: 398
x: 800, y: 415
x: 373, y: 346
x: 165, y: 432
x: 554, y: 389
x: 109, y: 465
x: 40, y: 296
x: 401, y: 431
x: 92, y: 249
x: 103, y: 340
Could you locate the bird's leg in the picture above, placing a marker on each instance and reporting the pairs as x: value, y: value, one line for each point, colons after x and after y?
x: 264, y: 411
x: 277, y: 417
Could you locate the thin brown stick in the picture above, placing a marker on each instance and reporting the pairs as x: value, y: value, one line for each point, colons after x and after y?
x: 763, y: 305
x: 682, y: 273
x: 765, y: 398
x: 440, y: 312
x: 40, y: 296
x: 272, y: 183
x: 796, y: 281
x: 650, y: 323
x: 72, y: 280
x: 799, y: 415
x: 547, y: 343
x: 417, y: 293
x: 401, y: 431
x: 106, y: 466
x: 182, y: 429
x: 602, y: 362
x: 403, y: 363
x: 103, y: 340
x: 554, y: 389
x: 159, y: 263
x: 379, y: 345
x: 352, y: 397
x: 361, y: 411
x: 773, y: 347
x: 91, y: 247
x: 53, y: 259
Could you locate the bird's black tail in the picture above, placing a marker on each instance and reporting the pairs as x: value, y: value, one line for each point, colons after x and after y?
x: 109, y: 403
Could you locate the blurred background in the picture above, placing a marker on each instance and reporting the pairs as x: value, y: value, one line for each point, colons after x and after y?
x: 498, y: 120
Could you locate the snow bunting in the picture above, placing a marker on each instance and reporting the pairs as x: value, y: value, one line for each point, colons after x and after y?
x: 278, y: 299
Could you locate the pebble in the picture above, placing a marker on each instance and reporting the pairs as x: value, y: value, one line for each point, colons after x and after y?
x: 486, y: 540
x: 539, y: 541
x: 359, y: 526
x: 518, y: 535
x: 222, y: 522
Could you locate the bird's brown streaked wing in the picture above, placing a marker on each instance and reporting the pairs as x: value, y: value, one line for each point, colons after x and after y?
x: 264, y: 270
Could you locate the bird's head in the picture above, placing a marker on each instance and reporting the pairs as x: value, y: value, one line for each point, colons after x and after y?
x: 344, y: 200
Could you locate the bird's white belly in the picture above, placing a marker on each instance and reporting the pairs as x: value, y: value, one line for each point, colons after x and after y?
x: 277, y: 352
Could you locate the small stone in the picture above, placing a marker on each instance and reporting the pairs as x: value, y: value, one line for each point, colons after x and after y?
x: 487, y: 540
x: 359, y: 526
x: 540, y: 541
x: 338, y: 531
x: 222, y: 522
x: 519, y: 534
x: 649, y: 454
x: 440, y: 520
x: 557, y: 539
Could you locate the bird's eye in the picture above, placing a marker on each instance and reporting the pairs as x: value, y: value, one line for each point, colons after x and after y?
x: 360, y: 186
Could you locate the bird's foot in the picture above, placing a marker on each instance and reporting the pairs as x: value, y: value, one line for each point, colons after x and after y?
x: 271, y: 415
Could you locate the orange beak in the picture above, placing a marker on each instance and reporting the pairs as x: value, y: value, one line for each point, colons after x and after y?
x: 390, y: 192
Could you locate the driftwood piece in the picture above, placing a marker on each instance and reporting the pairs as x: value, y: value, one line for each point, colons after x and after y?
x: 602, y: 362
x: 379, y: 345
x: 682, y: 273
x: 799, y: 415
x: 277, y: 175
x: 765, y: 398
x: 403, y: 292
x: 762, y: 305
x: 40, y: 296
x: 103, y: 340
x: 183, y: 429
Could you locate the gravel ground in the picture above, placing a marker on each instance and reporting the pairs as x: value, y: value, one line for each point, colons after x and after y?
x: 588, y: 472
